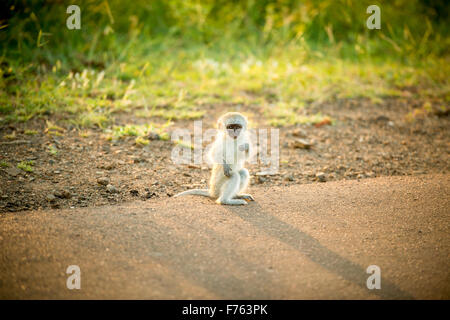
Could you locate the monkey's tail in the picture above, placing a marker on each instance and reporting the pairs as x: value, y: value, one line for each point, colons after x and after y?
x: 196, y: 192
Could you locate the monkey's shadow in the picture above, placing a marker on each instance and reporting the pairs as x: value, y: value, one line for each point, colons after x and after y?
x: 313, y: 249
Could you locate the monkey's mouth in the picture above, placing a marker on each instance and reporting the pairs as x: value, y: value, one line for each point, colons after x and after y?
x: 234, y: 130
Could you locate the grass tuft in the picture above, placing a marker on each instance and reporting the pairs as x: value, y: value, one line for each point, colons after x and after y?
x: 26, y: 165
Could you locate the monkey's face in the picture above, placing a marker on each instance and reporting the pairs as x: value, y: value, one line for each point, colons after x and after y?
x: 234, y: 129
x: 232, y: 124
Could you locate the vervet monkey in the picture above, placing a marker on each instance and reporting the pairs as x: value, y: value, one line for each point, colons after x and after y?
x: 228, y: 153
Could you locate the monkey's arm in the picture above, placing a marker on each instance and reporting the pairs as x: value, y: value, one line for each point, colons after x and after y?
x: 226, y: 169
x: 248, y: 148
x: 244, y: 147
x: 217, y: 156
x: 216, y: 152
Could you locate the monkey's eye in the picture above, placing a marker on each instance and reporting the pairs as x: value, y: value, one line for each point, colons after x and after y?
x: 234, y: 126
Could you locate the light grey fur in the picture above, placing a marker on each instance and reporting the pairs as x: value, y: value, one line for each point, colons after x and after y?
x: 229, y: 178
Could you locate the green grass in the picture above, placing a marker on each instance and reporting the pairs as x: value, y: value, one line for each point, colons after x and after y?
x: 53, y: 129
x: 10, y: 136
x: 52, y: 150
x: 283, y: 85
x: 141, y: 141
x: 174, y: 60
x: 183, y: 144
x: 139, y: 131
x: 26, y: 165
x: 4, y: 164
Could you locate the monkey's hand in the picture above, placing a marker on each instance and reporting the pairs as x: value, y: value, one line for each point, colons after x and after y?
x: 227, y: 170
x: 244, y: 147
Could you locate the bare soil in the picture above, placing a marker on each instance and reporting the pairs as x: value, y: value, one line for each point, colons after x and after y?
x: 314, y: 244
x: 366, y: 140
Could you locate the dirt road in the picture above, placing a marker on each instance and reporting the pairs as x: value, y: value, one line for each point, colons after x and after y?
x: 302, y: 241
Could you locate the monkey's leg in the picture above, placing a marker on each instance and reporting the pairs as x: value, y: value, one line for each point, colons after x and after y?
x: 229, y: 191
x: 216, y: 181
x: 245, y: 179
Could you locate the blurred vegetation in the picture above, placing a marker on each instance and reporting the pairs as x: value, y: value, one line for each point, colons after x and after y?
x: 170, y: 59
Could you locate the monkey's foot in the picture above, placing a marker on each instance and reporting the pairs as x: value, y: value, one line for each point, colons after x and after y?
x: 247, y: 197
x: 231, y: 202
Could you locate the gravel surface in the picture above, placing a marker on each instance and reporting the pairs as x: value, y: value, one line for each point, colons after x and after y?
x: 366, y: 140
x: 302, y: 241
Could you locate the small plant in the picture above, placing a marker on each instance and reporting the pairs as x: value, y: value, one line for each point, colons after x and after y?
x: 419, y: 113
x: 140, y: 131
x: 128, y: 131
x: 30, y: 132
x: 183, y: 144
x: 4, y: 164
x: 140, y: 141
x: 84, y: 134
x: 172, y: 114
x: 164, y: 136
x: 10, y: 136
x: 53, y: 129
x: 26, y: 165
x: 92, y: 119
x: 52, y: 150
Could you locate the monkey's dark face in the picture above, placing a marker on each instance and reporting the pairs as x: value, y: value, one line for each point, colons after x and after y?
x: 234, y: 130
